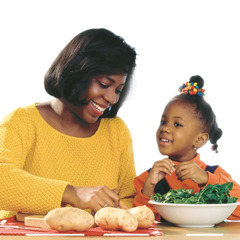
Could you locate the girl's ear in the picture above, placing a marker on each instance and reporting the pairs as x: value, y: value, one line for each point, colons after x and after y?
x: 201, y: 139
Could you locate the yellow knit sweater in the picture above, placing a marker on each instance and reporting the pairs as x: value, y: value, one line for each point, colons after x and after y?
x: 37, y: 162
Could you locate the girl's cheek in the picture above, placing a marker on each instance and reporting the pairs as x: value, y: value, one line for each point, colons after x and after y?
x: 157, y: 135
x: 158, y: 132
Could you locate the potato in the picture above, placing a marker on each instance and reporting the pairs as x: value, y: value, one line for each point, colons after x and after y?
x: 145, y: 216
x: 115, y: 218
x: 69, y: 218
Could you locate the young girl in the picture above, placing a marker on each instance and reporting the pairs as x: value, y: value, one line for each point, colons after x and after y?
x: 187, y: 123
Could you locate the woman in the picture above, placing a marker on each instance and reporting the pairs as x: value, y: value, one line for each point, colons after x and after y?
x: 72, y: 149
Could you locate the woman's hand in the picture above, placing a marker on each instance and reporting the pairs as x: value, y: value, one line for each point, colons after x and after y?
x: 93, y: 198
x: 157, y: 173
x: 190, y: 170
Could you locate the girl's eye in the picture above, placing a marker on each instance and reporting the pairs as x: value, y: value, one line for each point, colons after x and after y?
x: 176, y: 124
x: 162, y: 122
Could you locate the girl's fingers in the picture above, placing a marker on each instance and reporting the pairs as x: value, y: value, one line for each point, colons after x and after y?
x: 182, y: 175
x: 161, y: 165
x: 182, y: 166
x: 162, y: 170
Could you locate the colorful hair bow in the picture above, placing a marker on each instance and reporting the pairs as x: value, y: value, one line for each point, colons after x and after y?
x: 192, y: 89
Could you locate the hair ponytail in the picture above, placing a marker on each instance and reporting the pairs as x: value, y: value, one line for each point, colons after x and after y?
x: 214, y: 135
x: 193, y: 93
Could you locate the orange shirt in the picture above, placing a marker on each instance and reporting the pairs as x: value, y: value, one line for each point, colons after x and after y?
x: 215, y: 175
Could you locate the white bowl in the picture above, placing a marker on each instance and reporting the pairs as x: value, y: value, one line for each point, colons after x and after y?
x: 194, y: 215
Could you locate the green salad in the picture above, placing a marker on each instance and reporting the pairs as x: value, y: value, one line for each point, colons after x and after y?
x: 211, y: 194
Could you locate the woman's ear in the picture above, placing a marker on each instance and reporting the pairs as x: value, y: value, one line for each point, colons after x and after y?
x: 201, y: 139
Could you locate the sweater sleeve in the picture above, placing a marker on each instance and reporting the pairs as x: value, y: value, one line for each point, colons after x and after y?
x: 220, y: 176
x: 20, y: 190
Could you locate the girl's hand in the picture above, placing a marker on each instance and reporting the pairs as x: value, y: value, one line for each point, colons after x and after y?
x: 93, y: 198
x: 157, y: 173
x: 190, y: 170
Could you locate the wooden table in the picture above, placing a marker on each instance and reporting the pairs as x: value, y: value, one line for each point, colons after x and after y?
x: 222, y: 231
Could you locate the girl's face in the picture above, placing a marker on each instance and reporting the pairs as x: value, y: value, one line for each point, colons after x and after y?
x: 178, y: 131
x: 103, y: 92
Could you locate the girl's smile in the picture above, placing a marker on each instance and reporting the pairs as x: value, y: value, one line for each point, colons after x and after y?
x: 165, y: 142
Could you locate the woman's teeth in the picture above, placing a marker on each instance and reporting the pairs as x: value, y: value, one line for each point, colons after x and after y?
x: 100, y: 109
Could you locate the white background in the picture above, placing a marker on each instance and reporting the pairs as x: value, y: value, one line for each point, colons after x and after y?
x: 174, y: 40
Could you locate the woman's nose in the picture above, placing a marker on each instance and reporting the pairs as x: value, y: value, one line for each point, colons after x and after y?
x: 111, y: 97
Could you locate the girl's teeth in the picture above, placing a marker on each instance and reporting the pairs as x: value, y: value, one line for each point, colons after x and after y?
x: 165, y: 140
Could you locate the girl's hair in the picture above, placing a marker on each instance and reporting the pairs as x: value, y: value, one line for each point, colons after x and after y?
x: 91, y: 53
x: 203, y: 111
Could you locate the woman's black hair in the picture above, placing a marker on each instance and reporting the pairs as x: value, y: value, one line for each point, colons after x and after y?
x: 91, y: 53
x: 203, y: 112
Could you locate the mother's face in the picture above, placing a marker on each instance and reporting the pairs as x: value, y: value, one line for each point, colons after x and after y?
x: 103, y: 92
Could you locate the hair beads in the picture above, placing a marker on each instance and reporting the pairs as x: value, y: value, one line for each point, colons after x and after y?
x: 191, y: 88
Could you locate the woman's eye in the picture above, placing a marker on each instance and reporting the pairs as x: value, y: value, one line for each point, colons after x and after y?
x: 118, y: 91
x: 103, y: 85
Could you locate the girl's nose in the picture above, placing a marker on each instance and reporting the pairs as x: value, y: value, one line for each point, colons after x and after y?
x: 166, y: 128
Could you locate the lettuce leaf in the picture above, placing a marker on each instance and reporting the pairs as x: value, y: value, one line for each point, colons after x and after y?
x: 211, y: 194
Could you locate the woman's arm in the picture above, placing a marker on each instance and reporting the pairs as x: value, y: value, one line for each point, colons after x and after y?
x: 21, y: 190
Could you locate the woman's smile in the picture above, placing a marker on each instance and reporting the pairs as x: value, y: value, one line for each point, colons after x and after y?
x: 104, y: 91
x: 97, y: 109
